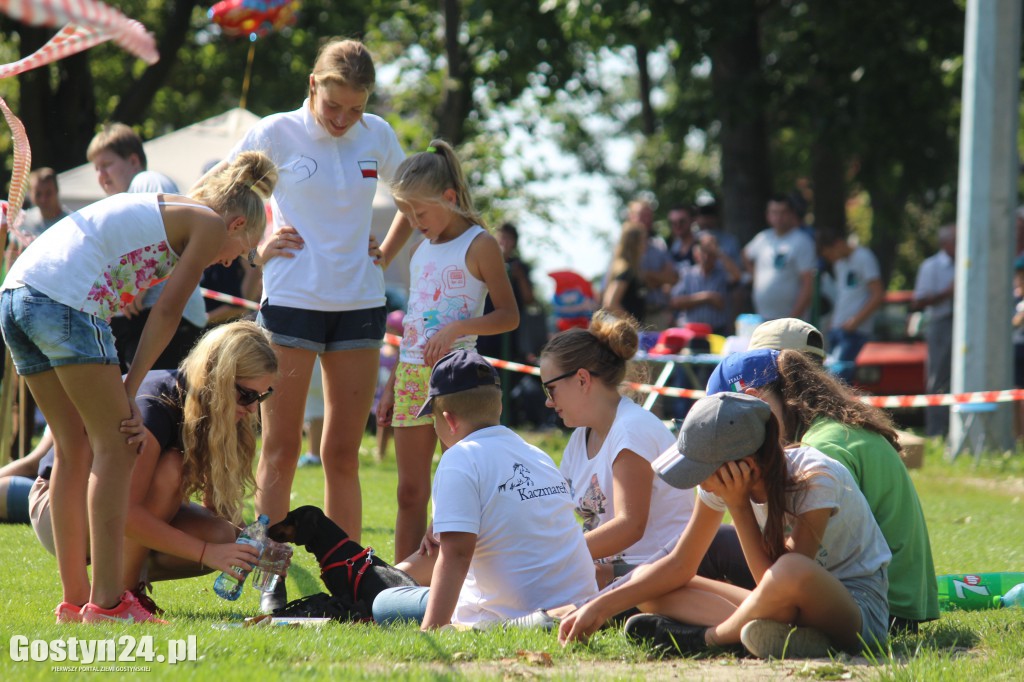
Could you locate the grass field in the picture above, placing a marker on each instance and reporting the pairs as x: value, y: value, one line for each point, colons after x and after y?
x: 975, y: 517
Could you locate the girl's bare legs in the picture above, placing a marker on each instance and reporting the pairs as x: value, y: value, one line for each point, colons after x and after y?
x: 414, y: 453
x: 99, y: 402
x: 701, y: 602
x: 350, y: 380
x: 69, y: 485
x: 282, y: 418
x: 164, y: 501
x: 798, y: 591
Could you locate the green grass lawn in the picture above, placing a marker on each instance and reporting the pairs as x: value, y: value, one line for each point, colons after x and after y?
x: 974, y: 515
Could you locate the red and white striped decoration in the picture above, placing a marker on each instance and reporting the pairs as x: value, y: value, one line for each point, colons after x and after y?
x: 19, y: 172
x: 89, y: 14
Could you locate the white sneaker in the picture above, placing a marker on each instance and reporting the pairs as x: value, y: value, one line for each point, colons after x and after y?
x: 536, y: 619
x: 772, y: 639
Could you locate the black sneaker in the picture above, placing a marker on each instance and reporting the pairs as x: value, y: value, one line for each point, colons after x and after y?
x: 275, y: 599
x: 320, y: 605
x: 667, y: 636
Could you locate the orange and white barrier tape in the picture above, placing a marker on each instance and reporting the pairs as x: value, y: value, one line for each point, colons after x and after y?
x: 228, y: 298
x: 887, y: 401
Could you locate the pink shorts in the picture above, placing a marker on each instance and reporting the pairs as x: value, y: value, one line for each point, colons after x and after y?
x: 411, y: 385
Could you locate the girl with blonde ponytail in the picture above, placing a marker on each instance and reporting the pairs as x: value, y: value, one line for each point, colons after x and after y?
x: 55, y: 310
x: 451, y: 273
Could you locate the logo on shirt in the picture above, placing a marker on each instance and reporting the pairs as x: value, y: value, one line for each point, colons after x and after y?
x: 304, y: 167
x: 522, y: 484
x: 520, y: 479
x: 591, y: 505
x: 368, y: 168
x: 454, y: 277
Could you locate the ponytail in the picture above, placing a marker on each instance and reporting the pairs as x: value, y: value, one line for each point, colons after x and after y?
x: 426, y: 175
x: 241, y: 187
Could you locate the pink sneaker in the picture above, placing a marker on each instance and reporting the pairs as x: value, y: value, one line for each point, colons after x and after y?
x: 128, y: 611
x: 68, y: 613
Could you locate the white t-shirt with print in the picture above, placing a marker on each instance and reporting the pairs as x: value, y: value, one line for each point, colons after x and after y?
x: 853, y: 546
x: 530, y: 553
x: 325, y: 191
x: 590, y: 480
x: 779, y: 262
x: 853, y: 274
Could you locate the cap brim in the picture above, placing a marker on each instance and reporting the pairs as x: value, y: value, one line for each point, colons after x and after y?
x: 427, y: 409
x: 679, y: 472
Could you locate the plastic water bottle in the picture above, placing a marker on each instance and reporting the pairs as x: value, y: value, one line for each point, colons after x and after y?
x: 976, y: 591
x: 1015, y: 597
x: 228, y: 586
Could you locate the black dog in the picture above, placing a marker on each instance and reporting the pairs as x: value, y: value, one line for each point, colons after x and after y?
x: 353, y: 574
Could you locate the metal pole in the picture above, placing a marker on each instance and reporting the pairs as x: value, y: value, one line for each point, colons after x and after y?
x: 982, y: 357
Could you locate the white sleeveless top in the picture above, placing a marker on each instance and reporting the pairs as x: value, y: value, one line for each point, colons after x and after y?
x: 442, y: 290
x: 99, y: 258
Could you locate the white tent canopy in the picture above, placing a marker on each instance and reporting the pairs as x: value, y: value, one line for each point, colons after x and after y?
x: 183, y: 154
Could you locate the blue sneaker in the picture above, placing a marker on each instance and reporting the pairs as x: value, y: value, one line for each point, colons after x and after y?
x: 310, y: 460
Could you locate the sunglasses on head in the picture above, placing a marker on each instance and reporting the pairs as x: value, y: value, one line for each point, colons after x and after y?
x: 247, y: 396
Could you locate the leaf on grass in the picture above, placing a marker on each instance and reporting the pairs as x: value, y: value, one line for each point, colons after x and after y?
x: 463, y: 656
x: 963, y: 520
x: 535, y: 657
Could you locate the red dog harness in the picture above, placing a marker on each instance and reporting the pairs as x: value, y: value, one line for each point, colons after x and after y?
x: 366, y: 556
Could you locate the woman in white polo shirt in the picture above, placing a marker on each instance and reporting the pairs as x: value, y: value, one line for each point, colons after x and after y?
x: 326, y: 295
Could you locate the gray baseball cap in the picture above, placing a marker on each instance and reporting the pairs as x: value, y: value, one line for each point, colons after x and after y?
x: 720, y: 428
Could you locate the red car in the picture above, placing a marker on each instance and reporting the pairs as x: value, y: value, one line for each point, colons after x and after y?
x: 893, y: 364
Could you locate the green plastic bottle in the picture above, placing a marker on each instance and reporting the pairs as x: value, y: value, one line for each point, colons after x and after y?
x: 975, y: 591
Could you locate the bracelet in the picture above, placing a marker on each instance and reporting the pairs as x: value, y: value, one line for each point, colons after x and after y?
x: 202, y: 554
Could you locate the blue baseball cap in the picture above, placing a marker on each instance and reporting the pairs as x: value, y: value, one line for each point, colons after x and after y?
x: 458, y: 371
x: 749, y: 369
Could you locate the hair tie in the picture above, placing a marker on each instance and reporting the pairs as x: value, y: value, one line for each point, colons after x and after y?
x: 431, y: 150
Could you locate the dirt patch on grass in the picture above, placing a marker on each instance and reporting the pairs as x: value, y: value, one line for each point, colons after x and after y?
x: 535, y: 666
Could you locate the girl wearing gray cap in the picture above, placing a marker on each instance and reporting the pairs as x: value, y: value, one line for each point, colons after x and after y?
x: 809, y: 538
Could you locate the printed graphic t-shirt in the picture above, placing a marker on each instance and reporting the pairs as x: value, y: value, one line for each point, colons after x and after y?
x: 530, y: 553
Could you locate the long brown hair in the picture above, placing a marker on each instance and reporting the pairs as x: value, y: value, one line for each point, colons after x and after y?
x: 809, y: 392
x: 778, y: 483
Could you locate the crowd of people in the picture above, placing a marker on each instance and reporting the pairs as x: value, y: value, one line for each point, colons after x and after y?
x: 827, y: 549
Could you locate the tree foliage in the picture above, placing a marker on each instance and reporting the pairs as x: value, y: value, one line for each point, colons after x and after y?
x: 856, y: 102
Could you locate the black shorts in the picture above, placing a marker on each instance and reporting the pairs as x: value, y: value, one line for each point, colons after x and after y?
x: 321, y: 331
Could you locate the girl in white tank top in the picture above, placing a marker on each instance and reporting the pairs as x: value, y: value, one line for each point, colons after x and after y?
x: 54, y: 308
x: 452, y: 272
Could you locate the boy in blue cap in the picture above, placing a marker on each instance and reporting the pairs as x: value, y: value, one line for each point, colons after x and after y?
x: 508, y: 539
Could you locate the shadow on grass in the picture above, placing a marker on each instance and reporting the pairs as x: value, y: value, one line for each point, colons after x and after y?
x: 940, y: 636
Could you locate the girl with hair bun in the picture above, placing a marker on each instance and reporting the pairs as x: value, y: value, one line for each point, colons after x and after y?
x: 55, y: 308
x: 628, y: 515
x: 200, y: 425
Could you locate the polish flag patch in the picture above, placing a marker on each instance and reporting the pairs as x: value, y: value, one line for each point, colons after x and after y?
x: 368, y: 168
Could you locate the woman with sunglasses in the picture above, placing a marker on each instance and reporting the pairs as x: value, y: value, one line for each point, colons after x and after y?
x: 628, y: 514
x: 200, y: 422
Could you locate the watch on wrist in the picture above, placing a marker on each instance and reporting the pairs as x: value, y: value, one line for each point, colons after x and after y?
x: 252, y: 257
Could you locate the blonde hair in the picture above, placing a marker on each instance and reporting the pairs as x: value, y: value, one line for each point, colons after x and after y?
x: 242, y: 186
x: 219, y: 451
x: 425, y: 177
x: 345, y: 62
x: 480, y: 406
x: 629, y: 250
x: 605, y: 349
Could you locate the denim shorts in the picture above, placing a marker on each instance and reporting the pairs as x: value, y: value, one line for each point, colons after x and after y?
x: 871, y: 594
x: 322, y: 331
x: 43, y: 334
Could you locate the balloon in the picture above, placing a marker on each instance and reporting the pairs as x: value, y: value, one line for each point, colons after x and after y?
x: 573, y: 301
x: 254, y: 18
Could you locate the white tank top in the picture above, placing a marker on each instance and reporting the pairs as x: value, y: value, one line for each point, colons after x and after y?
x: 99, y: 258
x: 442, y: 290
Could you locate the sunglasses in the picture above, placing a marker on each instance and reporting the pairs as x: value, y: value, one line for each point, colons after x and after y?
x: 548, y: 389
x: 247, y: 396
